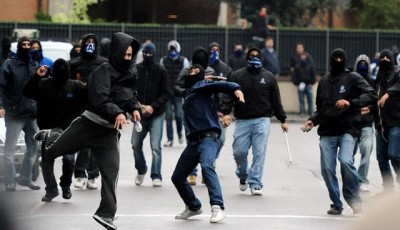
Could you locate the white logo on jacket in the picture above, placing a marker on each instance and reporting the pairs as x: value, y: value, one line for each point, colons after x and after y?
x: 342, y: 89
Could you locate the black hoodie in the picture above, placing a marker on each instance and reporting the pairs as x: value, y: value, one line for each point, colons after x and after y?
x: 82, y: 66
x: 112, y: 88
x: 59, y: 99
x: 341, y: 84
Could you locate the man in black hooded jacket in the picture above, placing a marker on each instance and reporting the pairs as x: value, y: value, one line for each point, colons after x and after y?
x: 81, y: 68
x: 340, y: 97
x: 59, y: 101
x: 387, y: 119
x: 111, y: 96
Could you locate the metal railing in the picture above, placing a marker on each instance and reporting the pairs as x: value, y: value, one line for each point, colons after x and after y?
x: 319, y: 43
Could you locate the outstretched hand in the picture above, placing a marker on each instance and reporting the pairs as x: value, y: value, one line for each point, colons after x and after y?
x: 120, y: 121
x: 239, y: 95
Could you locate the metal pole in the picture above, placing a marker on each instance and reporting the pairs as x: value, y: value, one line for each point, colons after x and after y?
x: 123, y: 27
x: 288, y: 148
x: 226, y: 44
x: 175, y: 32
x: 70, y: 32
x: 377, y: 41
x: 327, y: 52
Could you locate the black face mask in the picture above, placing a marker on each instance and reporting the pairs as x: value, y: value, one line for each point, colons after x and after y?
x: 24, y: 54
x: 148, y: 59
x: 385, y: 65
x: 126, y: 64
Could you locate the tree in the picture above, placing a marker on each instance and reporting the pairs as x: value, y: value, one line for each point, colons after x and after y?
x: 80, y: 9
x: 292, y: 12
x: 379, y: 14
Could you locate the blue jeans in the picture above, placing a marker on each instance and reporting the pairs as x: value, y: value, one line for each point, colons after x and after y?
x: 203, y: 152
x: 365, y: 143
x: 340, y: 147
x: 154, y: 125
x: 221, y: 144
x: 388, y: 150
x: 14, y: 126
x: 251, y: 133
x: 177, y: 103
x: 308, y: 93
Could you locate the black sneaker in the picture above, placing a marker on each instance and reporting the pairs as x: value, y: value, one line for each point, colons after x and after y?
x: 49, y: 196
x: 334, y: 211
x: 106, y: 222
x: 66, y: 193
x: 29, y: 185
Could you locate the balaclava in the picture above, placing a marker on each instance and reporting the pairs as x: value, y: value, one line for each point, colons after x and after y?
x: 338, y: 68
x: 200, y: 57
x: 73, y: 53
x: 214, y: 54
x: 386, y: 65
x: 5, y: 47
x: 238, y: 52
x: 253, y: 62
x: 105, y: 47
x: 23, y: 53
x: 149, y: 48
x: 362, y: 68
x: 89, y: 50
x: 193, y: 78
x: 174, y: 49
x: 37, y: 55
x: 60, y: 72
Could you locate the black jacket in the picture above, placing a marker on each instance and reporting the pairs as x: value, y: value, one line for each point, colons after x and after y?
x: 389, y: 114
x: 111, y: 87
x: 81, y: 67
x: 153, y: 86
x: 261, y: 93
x: 349, y: 86
x: 57, y: 105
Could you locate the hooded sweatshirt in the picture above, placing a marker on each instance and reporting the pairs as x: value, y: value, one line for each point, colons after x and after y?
x: 367, y: 119
x: 112, y: 86
x: 341, y: 84
x: 59, y: 99
x: 82, y: 66
x: 388, y: 81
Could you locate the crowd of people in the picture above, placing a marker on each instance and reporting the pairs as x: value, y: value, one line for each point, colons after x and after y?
x: 75, y: 109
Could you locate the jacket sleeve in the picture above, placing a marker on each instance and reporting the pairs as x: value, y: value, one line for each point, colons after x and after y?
x: 367, y: 94
x: 31, y: 88
x: 5, y: 77
x: 315, y: 118
x: 99, y: 94
x: 394, y: 90
x: 164, y: 88
x: 180, y: 88
x: 276, y: 102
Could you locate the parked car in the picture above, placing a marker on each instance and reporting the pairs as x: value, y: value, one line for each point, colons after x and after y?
x: 20, y: 148
x: 52, y: 50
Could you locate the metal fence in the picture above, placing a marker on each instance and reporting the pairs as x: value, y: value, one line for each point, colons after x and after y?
x: 319, y: 43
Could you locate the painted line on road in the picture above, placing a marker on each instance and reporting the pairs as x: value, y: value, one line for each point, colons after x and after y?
x: 348, y: 218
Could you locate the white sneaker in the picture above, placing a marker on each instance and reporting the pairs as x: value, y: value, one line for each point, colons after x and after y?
x: 79, y: 182
x: 181, y: 140
x: 157, y: 183
x: 139, y: 179
x: 41, y: 135
x: 217, y: 215
x: 168, y: 144
x: 364, y: 188
x: 91, y: 184
x: 256, y: 191
x: 188, y: 213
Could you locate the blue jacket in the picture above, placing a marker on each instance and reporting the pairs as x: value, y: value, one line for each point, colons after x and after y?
x: 14, y: 75
x: 199, y: 108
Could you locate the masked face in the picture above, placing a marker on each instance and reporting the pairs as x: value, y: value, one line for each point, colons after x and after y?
x: 385, y: 65
x: 196, y: 73
x: 37, y: 55
x: 148, y: 57
x: 173, y: 54
x: 254, y: 64
x: 214, y: 57
x: 338, y: 61
x: 362, y: 69
x: 90, y: 48
x: 238, y: 52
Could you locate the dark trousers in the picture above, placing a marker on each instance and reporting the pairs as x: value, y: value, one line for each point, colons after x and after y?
x: 85, y: 161
x: 67, y: 172
x: 83, y: 133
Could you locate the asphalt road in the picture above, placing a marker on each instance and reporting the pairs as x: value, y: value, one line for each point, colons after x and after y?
x: 294, y: 196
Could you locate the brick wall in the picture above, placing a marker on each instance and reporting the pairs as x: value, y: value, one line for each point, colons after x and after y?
x: 20, y: 10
